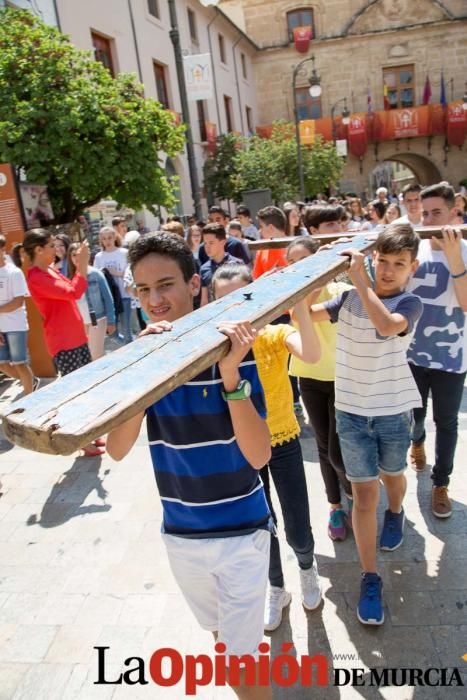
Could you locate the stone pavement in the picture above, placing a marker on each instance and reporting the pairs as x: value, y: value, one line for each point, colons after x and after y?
x: 82, y: 564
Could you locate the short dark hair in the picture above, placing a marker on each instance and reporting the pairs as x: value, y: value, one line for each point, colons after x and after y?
x: 317, y: 214
x: 216, y: 230
x: 242, y: 209
x: 2, y: 241
x: 169, y: 245
x: 231, y: 271
x: 308, y: 242
x: 397, y: 238
x: 216, y: 209
x: 411, y: 187
x: 442, y: 190
x: 273, y: 215
x: 116, y: 220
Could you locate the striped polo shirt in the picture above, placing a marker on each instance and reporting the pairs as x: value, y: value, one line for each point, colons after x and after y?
x: 207, y: 487
x: 373, y: 377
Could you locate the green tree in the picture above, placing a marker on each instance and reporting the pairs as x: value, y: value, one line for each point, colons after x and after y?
x: 272, y: 163
x: 74, y: 128
x: 220, y: 166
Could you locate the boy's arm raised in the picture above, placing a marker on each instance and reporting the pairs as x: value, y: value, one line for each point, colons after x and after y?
x: 304, y: 343
x: 251, y: 431
x: 385, y: 322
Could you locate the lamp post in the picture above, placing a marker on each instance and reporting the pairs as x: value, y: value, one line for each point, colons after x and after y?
x: 175, y: 38
x: 345, y: 116
x: 315, y: 91
x: 464, y: 99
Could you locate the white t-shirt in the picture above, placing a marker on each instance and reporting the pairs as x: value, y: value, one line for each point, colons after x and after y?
x: 12, y: 285
x: 440, y: 337
x: 116, y: 259
x: 373, y: 377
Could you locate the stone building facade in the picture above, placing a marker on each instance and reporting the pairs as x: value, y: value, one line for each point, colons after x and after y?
x: 357, y: 44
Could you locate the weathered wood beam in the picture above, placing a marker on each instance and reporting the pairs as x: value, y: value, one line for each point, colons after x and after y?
x: 71, y: 412
x: 268, y: 243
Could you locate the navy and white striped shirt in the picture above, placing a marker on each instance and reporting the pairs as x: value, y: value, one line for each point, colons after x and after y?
x: 207, y: 487
x: 373, y: 377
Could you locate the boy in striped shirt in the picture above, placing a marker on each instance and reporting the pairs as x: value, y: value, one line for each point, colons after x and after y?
x: 375, y: 395
x: 208, y: 440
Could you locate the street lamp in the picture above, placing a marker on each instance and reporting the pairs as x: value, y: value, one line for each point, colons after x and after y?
x: 314, y: 82
x: 345, y: 116
x: 464, y: 102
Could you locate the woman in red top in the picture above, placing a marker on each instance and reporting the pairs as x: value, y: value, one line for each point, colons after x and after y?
x: 55, y: 296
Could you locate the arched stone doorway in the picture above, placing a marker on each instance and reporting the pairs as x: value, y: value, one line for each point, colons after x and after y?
x: 398, y: 169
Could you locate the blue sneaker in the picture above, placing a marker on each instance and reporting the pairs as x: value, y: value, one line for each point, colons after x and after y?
x: 370, y: 606
x: 392, y: 533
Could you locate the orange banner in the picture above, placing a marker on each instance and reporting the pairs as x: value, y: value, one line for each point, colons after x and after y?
x: 307, y: 132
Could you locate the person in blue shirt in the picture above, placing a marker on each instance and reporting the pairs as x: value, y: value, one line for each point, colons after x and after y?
x: 208, y: 440
x: 215, y: 239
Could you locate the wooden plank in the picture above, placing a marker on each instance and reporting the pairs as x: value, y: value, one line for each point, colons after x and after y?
x: 70, y: 413
x: 268, y: 243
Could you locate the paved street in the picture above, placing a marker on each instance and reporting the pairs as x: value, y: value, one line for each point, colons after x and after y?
x: 82, y: 564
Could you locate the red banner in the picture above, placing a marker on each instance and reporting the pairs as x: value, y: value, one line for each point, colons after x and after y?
x: 402, y: 123
x: 456, y: 124
x: 357, y: 134
x: 426, y: 120
x: 301, y: 37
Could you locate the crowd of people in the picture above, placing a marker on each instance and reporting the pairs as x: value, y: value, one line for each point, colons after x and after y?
x: 361, y: 355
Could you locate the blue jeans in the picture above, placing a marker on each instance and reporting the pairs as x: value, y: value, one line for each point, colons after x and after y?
x: 446, y: 392
x: 288, y: 473
x: 14, y: 348
x: 124, y: 321
x: 371, y: 444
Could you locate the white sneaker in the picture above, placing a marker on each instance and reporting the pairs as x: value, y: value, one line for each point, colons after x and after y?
x: 276, y: 600
x: 312, y: 588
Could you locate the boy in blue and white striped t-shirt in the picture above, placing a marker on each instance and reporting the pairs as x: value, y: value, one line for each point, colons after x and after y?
x: 375, y: 395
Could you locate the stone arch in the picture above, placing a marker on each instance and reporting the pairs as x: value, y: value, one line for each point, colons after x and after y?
x: 370, y: 3
x: 424, y: 169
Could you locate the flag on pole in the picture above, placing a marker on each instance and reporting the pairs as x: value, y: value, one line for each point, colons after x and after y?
x: 426, y: 92
x: 442, y: 91
x: 387, y: 104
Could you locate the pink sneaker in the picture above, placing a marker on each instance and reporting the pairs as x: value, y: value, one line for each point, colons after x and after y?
x: 337, y: 529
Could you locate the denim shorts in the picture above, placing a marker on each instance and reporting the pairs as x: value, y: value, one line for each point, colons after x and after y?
x: 14, y: 349
x: 373, y: 444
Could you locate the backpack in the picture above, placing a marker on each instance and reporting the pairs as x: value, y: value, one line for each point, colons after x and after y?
x: 115, y: 291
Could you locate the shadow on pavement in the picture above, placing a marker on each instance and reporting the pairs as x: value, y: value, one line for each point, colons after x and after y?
x: 70, y: 492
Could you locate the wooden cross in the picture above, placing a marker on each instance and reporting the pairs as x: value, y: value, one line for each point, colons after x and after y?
x: 75, y: 410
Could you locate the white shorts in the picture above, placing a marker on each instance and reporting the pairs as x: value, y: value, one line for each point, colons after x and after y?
x: 224, y: 582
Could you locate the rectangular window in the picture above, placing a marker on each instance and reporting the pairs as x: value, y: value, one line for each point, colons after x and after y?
x: 249, y: 119
x: 300, y: 18
x: 192, y: 26
x: 103, y: 51
x: 201, y: 120
x: 228, y: 112
x: 161, y: 85
x: 308, y: 107
x: 153, y: 8
x: 222, y: 49
x: 399, y: 87
x: 243, y: 61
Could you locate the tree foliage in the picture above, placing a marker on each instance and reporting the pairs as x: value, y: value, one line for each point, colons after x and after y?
x: 220, y: 167
x: 261, y: 163
x: 73, y: 127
